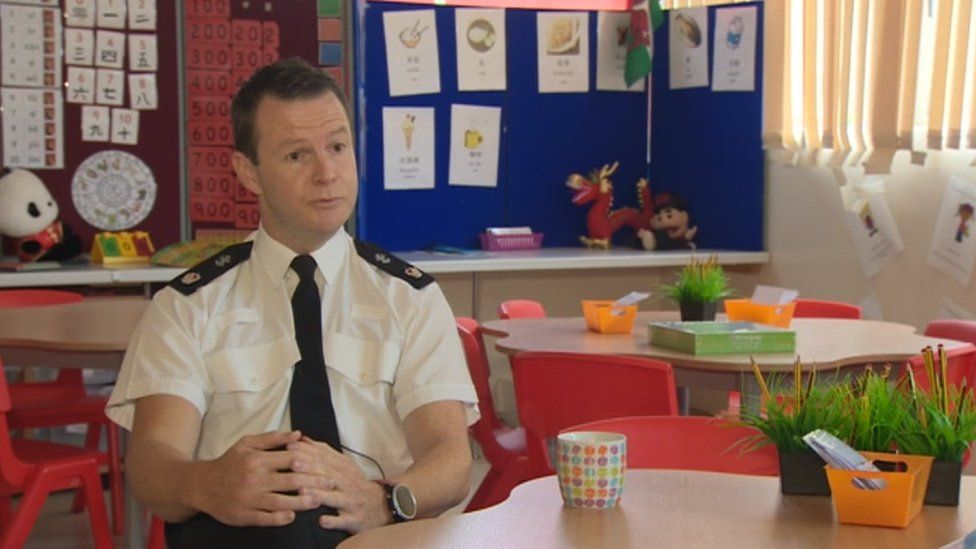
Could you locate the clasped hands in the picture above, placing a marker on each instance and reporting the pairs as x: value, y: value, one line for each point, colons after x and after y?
x: 262, y: 480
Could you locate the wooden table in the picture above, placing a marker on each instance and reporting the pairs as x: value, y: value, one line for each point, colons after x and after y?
x: 93, y: 333
x: 672, y: 509
x: 821, y: 343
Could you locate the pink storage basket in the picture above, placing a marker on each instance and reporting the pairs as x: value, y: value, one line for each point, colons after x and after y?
x: 495, y: 242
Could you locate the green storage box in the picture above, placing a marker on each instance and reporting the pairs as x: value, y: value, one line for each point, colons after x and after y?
x: 721, y: 338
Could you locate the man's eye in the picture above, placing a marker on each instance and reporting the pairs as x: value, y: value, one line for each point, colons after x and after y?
x: 338, y: 147
x: 294, y: 156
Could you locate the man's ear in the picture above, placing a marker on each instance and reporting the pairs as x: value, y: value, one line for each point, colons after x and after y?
x: 246, y: 172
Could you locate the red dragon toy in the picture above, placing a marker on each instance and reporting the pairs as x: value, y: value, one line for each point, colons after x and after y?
x: 601, y: 221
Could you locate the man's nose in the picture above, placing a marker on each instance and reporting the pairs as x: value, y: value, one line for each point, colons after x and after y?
x: 325, y: 169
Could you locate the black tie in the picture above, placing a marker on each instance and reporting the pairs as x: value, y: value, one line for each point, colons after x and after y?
x: 311, y: 412
x: 310, y: 398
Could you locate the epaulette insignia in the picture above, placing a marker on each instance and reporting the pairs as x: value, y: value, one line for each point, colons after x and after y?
x: 393, y: 265
x: 211, y: 268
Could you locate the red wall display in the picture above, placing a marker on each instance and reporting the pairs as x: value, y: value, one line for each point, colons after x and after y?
x: 157, y: 147
x: 225, y: 43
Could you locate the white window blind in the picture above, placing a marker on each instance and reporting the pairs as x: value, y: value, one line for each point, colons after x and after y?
x: 869, y: 75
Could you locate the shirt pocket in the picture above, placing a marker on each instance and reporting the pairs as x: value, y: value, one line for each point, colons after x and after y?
x: 252, y: 369
x: 364, y: 362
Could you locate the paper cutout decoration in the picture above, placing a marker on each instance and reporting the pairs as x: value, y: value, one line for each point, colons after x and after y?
x: 124, y: 248
x: 113, y: 190
x: 872, y: 227
x: 953, y: 246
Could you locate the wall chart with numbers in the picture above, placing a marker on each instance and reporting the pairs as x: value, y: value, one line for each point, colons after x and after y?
x: 85, y: 81
x: 225, y: 41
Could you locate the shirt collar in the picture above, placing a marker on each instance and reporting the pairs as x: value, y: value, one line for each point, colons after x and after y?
x: 276, y: 258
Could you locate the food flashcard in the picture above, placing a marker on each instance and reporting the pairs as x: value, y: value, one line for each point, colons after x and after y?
x: 412, y: 62
x: 480, y: 38
x: 563, y: 47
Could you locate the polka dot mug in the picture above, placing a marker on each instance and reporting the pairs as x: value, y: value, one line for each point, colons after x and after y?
x: 590, y: 466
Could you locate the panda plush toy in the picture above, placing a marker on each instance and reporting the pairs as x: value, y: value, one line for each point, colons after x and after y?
x: 28, y: 215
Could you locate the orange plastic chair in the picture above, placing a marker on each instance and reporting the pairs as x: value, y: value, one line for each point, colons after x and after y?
x: 35, y: 468
x: 503, y: 446
x: 816, y: 308
x: 689, y: 443
x: 554, y: 391
x: 520, y: 308
x: 65, y: 402
x: 957, y: 329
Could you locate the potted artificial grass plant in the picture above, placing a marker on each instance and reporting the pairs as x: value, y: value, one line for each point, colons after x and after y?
x: 938, y: 421
x: 927, y: 418
x: 699, y: 286
x: 789, y: 411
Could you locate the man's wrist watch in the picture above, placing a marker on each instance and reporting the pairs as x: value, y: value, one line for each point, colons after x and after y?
x: 400, y: 499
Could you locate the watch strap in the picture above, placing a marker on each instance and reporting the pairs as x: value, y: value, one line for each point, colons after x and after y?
x: 391, y: 504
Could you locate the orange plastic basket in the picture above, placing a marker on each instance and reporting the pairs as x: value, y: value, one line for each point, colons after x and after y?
x: 607, y: 318
x: 895, y: 505
x: 773, y: 315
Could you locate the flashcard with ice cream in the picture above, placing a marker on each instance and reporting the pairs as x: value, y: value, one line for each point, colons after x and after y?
x: 412, y: 64
x: 408, y: 148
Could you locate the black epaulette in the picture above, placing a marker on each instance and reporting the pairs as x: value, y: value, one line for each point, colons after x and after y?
x: 389, y: 263
x: 211, y: 268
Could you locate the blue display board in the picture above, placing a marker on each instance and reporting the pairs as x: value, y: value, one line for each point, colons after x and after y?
x: 707, y: 147
x: 545, y: 137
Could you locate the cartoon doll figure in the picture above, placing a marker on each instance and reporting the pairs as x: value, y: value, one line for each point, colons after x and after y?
x: 670, y: 224
x: 965, y: 213
x: 868, y: 220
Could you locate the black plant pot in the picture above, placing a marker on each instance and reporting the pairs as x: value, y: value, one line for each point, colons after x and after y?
x: 802, y: 473
x: 944, y: 479
x: 697, y: 310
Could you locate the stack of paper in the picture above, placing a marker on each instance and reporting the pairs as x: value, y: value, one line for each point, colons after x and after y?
x: 839, y: 455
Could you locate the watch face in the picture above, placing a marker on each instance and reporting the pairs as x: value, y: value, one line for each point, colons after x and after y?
x: 405, y: 503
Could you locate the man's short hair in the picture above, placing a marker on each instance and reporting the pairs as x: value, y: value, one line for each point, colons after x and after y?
x: 287, y: 79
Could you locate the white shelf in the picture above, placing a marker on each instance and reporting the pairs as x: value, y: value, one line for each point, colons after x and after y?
x: 545, y: 259
x: 551, y: 259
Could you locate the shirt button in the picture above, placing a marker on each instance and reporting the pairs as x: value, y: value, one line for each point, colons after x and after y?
x: 363, y: 377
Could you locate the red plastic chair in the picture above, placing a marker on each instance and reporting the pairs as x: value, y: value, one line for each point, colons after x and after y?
x: 36, y: 468
x: 520, y: 308
x: 957, y: 329
x: 816, y: 308
x: 689, y: 443
x: 157, y: 534
x: 503, y: 446
x: 65, y: 402
x: 554, y: 391
x: 961, y: 367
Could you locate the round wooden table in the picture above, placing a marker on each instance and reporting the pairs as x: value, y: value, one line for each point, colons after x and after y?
x: 821, y: 343
x: 95, y: 330
x: 672, y: 509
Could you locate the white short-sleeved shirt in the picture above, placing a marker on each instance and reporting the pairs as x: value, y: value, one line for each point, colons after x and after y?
x: 229, y: 348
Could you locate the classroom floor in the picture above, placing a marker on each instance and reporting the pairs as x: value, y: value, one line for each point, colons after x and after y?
x: 58, y: 528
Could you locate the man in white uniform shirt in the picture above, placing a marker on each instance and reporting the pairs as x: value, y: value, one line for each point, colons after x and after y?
x: 206, y: 383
